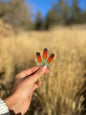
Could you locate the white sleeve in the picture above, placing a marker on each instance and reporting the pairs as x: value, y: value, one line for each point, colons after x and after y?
x: 3, y: 108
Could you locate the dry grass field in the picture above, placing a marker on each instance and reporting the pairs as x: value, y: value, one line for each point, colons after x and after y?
x: 62, y: 91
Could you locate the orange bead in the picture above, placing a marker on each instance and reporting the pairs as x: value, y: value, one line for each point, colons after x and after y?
x: 50, y: 58
x: 39, y: 57
x: 45, y: 54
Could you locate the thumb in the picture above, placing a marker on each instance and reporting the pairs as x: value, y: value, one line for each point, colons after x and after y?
x: 39, y: 73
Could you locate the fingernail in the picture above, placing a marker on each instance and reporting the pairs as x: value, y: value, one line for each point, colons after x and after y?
x: 43, y: 68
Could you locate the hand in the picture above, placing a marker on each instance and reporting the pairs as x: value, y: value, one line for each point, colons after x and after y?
x: 25, y: 84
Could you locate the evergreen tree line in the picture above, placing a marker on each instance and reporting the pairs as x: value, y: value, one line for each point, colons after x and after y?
x: 17, y: 13
x: 62, y: 13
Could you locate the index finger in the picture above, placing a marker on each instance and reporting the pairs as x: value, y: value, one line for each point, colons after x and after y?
x: 28, y: 72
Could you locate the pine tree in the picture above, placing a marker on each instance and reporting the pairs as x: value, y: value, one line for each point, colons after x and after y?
x: 38, y: 22
x: 51, y: 17
x: 66, y: 13
x: 75, y: 12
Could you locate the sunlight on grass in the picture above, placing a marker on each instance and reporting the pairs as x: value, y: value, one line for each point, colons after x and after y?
x: 62, y: 91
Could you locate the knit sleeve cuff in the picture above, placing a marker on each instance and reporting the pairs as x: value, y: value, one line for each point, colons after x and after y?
x: 3, y: 108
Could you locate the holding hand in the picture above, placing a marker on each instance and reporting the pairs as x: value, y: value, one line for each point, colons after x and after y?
x: 25, y: 84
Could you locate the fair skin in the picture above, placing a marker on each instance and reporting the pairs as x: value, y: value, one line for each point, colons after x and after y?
x: 25, y: 84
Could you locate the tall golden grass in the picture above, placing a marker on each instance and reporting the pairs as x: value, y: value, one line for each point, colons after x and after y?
x: 62, y: 91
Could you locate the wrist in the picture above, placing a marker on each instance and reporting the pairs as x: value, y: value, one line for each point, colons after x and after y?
x: 12, y: 103
x: 16, y: 104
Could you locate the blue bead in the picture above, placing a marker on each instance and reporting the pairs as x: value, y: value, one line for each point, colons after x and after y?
x: 46, y: 64
x: 40, y: 63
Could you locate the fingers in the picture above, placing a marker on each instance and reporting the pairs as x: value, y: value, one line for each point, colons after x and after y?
x: 31, y: 70
x: 39, y: 73
x: 27, y: 72
x: 36, y: 85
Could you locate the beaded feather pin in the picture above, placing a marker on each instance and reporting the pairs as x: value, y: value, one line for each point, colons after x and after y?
x: 44, y: 60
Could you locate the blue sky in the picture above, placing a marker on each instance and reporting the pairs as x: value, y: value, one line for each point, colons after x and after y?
x: 41, y: 5
x: 45, y: 5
